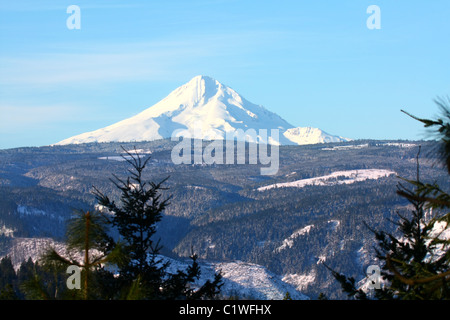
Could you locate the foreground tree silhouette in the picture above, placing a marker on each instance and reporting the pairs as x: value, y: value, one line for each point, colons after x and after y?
x: 143, y: 272
x: 414, y: 257
x: 88, y: 247
x: 416, y: 265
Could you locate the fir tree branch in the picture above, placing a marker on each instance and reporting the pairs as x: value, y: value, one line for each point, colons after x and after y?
x: 410, y: 281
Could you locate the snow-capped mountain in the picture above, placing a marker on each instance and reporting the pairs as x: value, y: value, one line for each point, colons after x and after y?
x: 207, y: 109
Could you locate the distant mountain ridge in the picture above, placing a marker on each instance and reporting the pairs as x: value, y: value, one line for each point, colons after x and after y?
x: 202, y: 104
x: 308, y: 135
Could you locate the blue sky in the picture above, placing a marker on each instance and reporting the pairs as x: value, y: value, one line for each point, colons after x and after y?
x: 315, y: 63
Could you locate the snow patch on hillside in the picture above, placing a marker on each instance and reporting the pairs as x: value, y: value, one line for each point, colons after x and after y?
x: 398, y: 144
x: 7, y: 232
x: 335, y: 178
x: 253, y: 281
x: 25, y: 248
x: 366, y: 145
x: 347, y: 147
x: 128, y: 155
x: 289, y: 242
x: 300, y: 281
x: 240, y: 279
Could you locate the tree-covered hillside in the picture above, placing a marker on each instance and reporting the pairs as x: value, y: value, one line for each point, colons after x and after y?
x: 218, y: 210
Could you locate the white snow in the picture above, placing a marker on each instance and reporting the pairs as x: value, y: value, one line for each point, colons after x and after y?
x: 7, y: 232
x: 398, y: 144
x: 440, y: 231
x: 366, y: 145
x: 202, y: 105
x: 138, y: 151
x: 195, y: 187
x: 115, y: 158
x: 322, y: 258
x: 300, y: 281
x: 308, y: 135
x: 241, y: 279
x: 335, y: 178
x: 124, y: 155
x: 289, y: 242
x: 348, y: 147
x: 24, y: 248
x: 252, y: 281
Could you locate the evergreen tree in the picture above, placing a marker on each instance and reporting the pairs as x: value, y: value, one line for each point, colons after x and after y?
x: 8, y: 280
x: 179, y: 285
x: 8, y: 293
x: 141, y: 207
x: 440, y: 129
x: 27, y: 271
x: 135, y: 217
x: 287, y: 296
x: 416, y: 264
x: 88, y: 247
x: 322, y: 296
x: 410, y: 259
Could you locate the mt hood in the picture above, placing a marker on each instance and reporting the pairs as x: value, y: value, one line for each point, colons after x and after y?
x: 202, y: 104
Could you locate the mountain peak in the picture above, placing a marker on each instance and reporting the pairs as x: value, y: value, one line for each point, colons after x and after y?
x: 201, y: 86
x: 201, y: 81
x: 203, y: 78
x: 204, y: 102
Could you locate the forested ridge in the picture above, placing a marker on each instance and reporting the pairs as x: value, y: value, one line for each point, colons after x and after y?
x: 217, y: 209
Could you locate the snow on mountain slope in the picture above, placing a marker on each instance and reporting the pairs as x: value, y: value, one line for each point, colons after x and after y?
x: 244, y: 280
x: 240, y: 279
x: 24, y: 248
x: 206, y: 106
x: 255, y: 282
x: 308, y: 135
x: 338, y: 177
x: 289, y: 242
x: 300, y: 281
